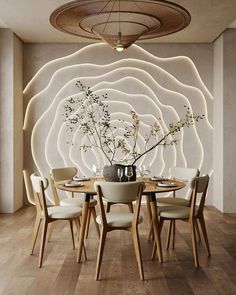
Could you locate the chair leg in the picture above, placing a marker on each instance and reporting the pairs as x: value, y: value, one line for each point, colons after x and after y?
x: 35, y: 233
x: 154, y: 249
x: 203, y: 227
x: 197, y: 231
x: 136, y: 242
x: 88, y: 223
x: 108, y: 207
x: 169, y: 235
x: 194, y: 243
x: 131, y: 209
x: 43, y: 240
x: 151, y: 235
x: 50, y: 230
x: 173, y: 234
x: 93, y: 211
x: 77, y: 222
x: 100, y: 252
x: 72, y: 233
x: 157, y: 230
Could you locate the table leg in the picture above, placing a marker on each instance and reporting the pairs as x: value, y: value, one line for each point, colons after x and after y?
x: 150, y: 237
x: 83, y: 226
x: 156, y: 225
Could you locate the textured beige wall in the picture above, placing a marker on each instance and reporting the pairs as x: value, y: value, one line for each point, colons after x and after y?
x: 37, y: 55
x: 6, y: 129
x: 18, y: 122
x: 11, y: 163
x: 229, y: 116
x: 218, y: 201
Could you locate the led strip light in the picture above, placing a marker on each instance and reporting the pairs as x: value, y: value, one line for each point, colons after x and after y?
x: 49, y: 126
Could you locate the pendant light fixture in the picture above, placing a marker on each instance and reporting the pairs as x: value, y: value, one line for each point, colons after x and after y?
x: 120, y: 23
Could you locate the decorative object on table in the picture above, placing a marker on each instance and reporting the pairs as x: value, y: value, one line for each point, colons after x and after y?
x: 74, y: 183
x: 90, y: 115
x: 78, y: 178
x: 166, y: 184
x: 120, y: 23
x: 143, y: 170
x: 110, y: 172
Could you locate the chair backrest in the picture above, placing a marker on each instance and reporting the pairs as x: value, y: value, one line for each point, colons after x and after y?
x: 28, y: 187
x: 199, y: 186
x: 40, y: 184
x: 185, y: 174
x: 61, y: 174
x: 120, y: 192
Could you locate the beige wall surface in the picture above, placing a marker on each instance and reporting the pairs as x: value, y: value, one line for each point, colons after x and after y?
x: 172, y: 60
x: 11, y: 118
x: 215, y: 65
x: 6, y: 126
x: 218, y: 200
x: 229, y: 120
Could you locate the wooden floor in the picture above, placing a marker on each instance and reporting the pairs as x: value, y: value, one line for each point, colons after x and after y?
x: 61, y: 274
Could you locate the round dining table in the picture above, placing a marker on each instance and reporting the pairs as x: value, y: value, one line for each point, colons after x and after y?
x: 152, y: 187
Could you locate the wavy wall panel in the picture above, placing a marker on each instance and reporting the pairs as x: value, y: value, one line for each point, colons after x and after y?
x: 134, y: 80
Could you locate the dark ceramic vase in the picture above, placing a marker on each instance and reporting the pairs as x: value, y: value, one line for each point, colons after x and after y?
x: 110, y: 173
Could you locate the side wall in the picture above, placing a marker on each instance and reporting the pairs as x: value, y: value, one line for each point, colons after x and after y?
x: 11, y: 119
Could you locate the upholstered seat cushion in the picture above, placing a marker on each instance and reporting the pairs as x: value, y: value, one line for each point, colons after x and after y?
x: 115, y: 202
x: 64, y: 212
x: 119, y: 219
x: 77, y: 202
x: 170, y: 201
x: 175, y: 212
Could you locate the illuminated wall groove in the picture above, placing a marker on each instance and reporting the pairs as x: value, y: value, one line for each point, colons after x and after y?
x: 146, y: 84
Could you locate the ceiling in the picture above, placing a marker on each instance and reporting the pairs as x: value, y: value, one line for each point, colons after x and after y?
x: 30, y: 21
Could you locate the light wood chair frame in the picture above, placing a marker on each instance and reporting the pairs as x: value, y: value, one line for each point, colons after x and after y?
x: 92, y: 210
x: 133, y: 229
x: 172, y: 226
x: 193, y: 217
x: 43, y: 217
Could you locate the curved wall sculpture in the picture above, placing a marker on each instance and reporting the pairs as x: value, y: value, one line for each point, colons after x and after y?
x: 134, y: 80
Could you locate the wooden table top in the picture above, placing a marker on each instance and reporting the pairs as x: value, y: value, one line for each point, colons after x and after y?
x: 151, y: 186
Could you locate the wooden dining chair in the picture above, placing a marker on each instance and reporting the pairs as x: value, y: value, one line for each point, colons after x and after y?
x: 47, y: 215
x: 120, y: 193
x: 182, y: 198
x: 190, y: 214
x: 66, y: 174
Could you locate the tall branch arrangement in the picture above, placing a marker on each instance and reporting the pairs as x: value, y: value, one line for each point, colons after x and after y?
x: 90, y: 114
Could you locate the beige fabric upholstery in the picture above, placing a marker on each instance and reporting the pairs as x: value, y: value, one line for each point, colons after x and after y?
x: 118, y: 219
x: 118, y: 192
x: 77, y: 202
x: 66, y: 212
x: 46, y: 215
x: 65, y: 173
x: 175, y: 212
x: 192, y: 214
x: 172, y: 201
x: 108, y: 200
x: 186, y: 175
x: 36, y: 180
x: 202, y: 183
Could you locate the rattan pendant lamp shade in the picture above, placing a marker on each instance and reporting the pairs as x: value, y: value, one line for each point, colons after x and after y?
x: 120, y: 23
